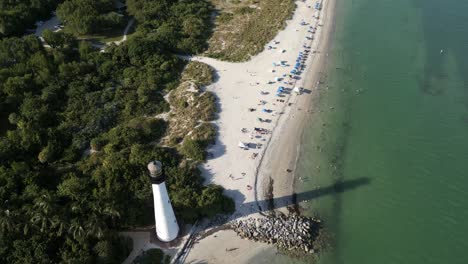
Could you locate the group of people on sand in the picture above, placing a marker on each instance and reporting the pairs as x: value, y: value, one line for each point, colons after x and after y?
x: 287, y: 79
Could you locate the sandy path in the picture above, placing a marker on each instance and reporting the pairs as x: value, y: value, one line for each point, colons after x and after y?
x: 127, y: 28
x: 48, y: 24
x: 225, y: 247
x: 238, y: 88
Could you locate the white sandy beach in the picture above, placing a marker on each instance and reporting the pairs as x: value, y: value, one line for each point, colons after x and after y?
x: 238, y: 88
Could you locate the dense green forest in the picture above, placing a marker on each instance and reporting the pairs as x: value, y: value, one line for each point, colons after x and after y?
x: 180, y: 26
x: 18, y: 15
x: 78, y: 128
x: 89, y: 16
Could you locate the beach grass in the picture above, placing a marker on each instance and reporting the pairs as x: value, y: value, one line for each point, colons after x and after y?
x: 243, y: 28
x: 191, y: 107
x: 205, y: 132
x: 199, y: 73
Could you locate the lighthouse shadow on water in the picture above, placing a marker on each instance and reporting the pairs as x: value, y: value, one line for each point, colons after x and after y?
x: 266, y: 206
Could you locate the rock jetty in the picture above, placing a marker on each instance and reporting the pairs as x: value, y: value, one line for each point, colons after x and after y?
x: 291, y: 233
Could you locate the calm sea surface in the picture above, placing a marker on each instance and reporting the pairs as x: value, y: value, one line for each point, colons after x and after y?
x: 391, y: 135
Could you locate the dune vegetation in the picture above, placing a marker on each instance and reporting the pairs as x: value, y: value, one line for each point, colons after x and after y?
x: 243, y: 28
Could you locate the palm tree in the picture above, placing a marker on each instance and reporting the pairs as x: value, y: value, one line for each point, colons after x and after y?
x: 111, y: 212
x: 59, y: 223
x: 45, y: 203
x: 76, y: 229
x: 40, y: 220
x: 106, y: 210
x: 7, y: 221
x: 44, y: 212
x: 95, y: 226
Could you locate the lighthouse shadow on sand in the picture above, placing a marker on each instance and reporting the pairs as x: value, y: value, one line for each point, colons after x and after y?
x: 267, y: 207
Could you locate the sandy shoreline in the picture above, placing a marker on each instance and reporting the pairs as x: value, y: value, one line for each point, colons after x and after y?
x: 246, y: 174
x: 284, y: 152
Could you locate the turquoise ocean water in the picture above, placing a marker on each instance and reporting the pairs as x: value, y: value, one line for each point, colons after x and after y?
x: 400, y: 127
x: 390, y: 134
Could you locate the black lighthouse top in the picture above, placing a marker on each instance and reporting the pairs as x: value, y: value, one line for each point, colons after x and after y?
x: 156, y: 172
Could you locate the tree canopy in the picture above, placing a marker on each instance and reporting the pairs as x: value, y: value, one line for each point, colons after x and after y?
x: 181, y: 26
x: 16, y: 16
x: 88, y: 16
x: 81, y: 129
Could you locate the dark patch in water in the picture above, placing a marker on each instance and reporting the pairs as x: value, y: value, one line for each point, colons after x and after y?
x: 465, y: 119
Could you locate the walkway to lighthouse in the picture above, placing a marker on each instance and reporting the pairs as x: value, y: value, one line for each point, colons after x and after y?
x: 146, y: 239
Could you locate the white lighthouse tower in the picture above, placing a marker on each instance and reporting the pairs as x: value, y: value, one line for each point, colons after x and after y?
x: 167, y: 228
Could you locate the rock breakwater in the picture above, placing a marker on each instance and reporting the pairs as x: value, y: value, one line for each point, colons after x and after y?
x: 291, y: 233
